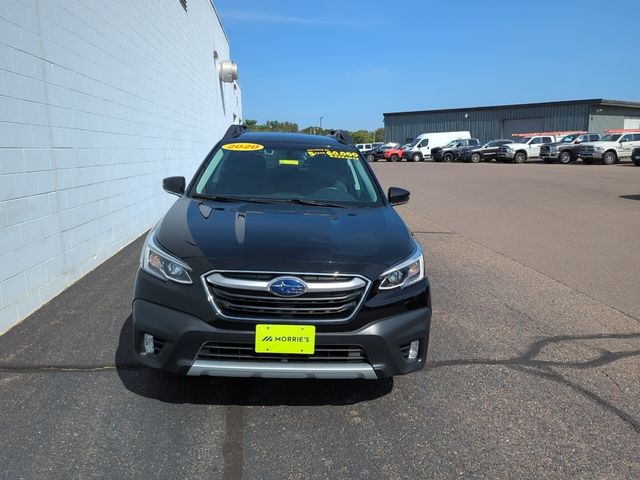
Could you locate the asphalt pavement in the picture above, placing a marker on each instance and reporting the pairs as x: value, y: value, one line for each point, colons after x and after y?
x: 533, y: 367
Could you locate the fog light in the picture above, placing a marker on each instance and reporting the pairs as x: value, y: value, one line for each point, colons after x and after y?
x: 147, y: 343
x: 413, y: 349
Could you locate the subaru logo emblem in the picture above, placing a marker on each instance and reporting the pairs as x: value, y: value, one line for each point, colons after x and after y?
x: 287, y: 287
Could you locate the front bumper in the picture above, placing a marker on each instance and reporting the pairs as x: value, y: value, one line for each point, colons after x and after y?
x: 596, y: 155
x: 551, y: 155
x: 508, y: 154
x: 182, y: 335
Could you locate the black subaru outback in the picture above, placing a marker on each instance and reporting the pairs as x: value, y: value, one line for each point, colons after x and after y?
x: 282, y: 258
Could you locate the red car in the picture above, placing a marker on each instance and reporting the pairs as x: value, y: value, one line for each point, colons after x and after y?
x: 393, y: 154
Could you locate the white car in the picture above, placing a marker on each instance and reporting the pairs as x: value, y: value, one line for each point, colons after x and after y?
x: 611, y: 148
x: 524, y: 148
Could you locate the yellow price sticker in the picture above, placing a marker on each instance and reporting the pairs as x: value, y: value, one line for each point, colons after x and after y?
x: 243, y: 147
x: 332, y: 153
x: 289, y: 162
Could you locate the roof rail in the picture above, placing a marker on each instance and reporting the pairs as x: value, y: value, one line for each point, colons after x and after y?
x: 235, y: 131
x: 341, y: 136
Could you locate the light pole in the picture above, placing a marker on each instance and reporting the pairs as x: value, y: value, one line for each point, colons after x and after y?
x: 321, y: 117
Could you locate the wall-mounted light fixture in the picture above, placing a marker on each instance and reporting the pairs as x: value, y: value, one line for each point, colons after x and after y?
x: 228, y: 71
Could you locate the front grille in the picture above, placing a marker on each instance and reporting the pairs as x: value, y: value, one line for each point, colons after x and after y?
x: 246, y: 296
x: 587, y: 149
x: 244, y: 352
x: 545, y: 149
x: 502, y: 151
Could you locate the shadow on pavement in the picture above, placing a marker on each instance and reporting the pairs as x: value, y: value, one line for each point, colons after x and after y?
x: 170, y: 388
x: 631, y: 197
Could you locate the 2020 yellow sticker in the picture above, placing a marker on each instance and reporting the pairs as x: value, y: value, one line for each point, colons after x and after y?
x: 243, y: 147
x: 289, y: 162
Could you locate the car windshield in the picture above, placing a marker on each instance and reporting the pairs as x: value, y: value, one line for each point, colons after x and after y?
x: 610, y: 138
x: 281, y: 173
x: 522, y: 140
x: 492, y: 143
x: 452, y: 143
x: 414, y: 143
x: 569, y: 138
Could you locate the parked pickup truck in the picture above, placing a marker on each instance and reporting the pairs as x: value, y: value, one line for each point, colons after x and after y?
x: 524, y: 148
x: 567, y: 149
x: 452, y: 150
x: 486, y: 152
x: 611, y: 148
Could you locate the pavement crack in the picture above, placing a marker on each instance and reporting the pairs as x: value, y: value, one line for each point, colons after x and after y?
x: 67, y: 368
x: 232, y: 448
x: 527, y: 363
x: 594, y: 397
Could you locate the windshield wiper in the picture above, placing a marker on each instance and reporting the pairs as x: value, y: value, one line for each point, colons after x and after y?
x: 317, y: 203
x: 299, y: 201
x: 222, y: 198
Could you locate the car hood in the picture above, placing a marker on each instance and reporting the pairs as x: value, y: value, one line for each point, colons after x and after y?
x: 284, y: 238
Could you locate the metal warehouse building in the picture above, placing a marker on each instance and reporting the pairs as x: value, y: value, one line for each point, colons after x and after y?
x: 502, y: 121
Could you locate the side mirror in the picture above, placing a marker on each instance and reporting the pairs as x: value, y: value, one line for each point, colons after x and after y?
x: 174, y: 185
x: 398, y: 196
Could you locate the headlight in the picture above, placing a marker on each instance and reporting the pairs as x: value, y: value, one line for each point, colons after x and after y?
x: 155, y: 261
x: 406, y: 273
x: 598, y: 149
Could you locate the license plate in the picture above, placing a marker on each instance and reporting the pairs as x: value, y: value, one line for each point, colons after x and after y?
x: 299, y: 339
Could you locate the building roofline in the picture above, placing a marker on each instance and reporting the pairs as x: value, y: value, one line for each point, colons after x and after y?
x: 592, y: 101
x: 215, y: 10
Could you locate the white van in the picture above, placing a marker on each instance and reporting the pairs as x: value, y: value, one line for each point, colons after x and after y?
x: 420, y: 148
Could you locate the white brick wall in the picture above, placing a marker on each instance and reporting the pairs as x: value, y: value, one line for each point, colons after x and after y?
x: 98, y: 102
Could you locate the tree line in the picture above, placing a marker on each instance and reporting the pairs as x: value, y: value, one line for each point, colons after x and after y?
x: 359, y: 136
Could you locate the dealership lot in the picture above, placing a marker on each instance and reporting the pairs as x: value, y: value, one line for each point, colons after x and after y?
x: 533, y: 366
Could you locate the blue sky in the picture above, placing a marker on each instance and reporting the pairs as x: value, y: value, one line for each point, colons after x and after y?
x: 350, y: 61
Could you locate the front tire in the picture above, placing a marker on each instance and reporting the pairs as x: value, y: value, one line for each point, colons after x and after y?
x: 371, y: 158
x: 609, y: 158
x: 448, y: 157
x: 475, y: 158
x: 520, y: 157
x: 566, y: 157
x: 394, y: 158
x: 636, y: 161
x: 416, y: 157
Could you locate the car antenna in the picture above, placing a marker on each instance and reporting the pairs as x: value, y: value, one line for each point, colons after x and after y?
x: 235, y: 131
x: 341, y: 136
